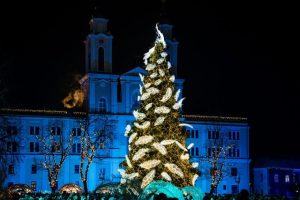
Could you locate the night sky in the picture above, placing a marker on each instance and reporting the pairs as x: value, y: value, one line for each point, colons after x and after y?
x: 238, y: 58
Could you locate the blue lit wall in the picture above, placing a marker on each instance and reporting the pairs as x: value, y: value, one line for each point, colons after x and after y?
x: 102, y: 93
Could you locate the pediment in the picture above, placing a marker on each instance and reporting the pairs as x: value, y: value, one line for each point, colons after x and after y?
x: 135, y: 72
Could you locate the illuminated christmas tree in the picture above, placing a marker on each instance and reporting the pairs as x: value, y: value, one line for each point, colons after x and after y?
x: 157, y: 148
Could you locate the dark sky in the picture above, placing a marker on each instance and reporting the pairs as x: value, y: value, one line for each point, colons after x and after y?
x: 238, y: 58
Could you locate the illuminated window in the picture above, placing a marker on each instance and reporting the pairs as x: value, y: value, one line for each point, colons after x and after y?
x: 102, y: 105
x: 33, y: 185
x: 33, y: 169
x: 287, y: 178
x: 76, y: 169
x: 276, y: 178
x: 11, y: 169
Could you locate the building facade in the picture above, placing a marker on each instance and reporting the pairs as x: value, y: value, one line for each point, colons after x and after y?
x: 111, y: 98
x: 277, y: 178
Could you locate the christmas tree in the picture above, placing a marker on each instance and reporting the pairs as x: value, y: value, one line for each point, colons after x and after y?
x: 157, y: 148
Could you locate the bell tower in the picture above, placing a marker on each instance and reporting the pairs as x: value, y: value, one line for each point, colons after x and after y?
x: 98, y: 47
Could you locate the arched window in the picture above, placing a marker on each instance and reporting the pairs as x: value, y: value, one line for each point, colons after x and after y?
x: 100, y: 59
x: 102, y: 105
x: 135, y: 102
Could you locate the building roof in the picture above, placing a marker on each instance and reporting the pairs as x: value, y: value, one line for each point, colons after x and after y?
x: 48, y: 112
x: 214, y: 118
x: 44, y: 112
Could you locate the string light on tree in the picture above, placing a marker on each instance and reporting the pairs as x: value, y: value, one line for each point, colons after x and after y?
x: 156, y: 137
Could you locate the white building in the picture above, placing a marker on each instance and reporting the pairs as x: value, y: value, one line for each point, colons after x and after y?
x: 113, y: 97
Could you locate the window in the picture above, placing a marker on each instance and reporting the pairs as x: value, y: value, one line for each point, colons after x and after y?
x: 230, y: 152
x: 12, y: 147
x: 234, y: 189
x: 76, y: 169
x: 101, y: 58
x: 55, y: 147
x: 224, y: 187
x: 197, y: 151
x: 209, y: 134
x: 188, y: 132
x: 11, y: 169
x: 76, y: 131
x: 33, y: 169
x: 34, y: 147
x: 135, y: 102
x: 102, y: 174
x: 76, y: 148
x: 33, y: 185
x: 193, y: 134
x: 213, y: 152
x: 237, y: 135
x: 197, y: 134
x: 287, y: 178
x: 233, y: 135
x: 233, y: 152
x: 209, y: 152
x: 102, y: 105
x: 237, y: 152
x: 233, y: 171
x: 34, y: 130
x: 276, y: 178
x: 55, y: 131
x: 192, y: 151
x: 11, y: 130
x: 229, y: 135
x: 216, y: 134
